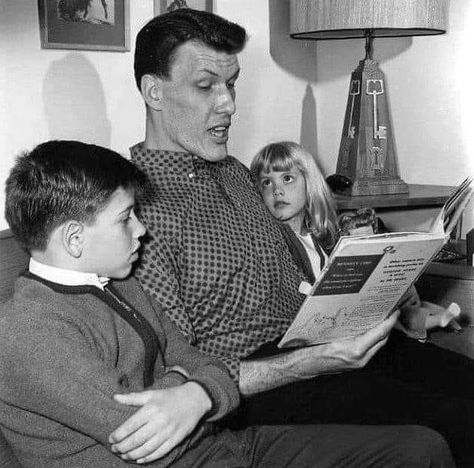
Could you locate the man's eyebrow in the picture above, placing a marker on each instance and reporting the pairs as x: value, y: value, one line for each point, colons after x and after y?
x: 213, y: 73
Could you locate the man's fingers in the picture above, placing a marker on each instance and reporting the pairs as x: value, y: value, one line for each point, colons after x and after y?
x: 382, y: 330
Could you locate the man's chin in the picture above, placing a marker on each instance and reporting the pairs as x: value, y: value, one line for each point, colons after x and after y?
x: 214, y: 151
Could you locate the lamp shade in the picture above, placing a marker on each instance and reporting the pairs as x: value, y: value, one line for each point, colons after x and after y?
x: 344, y: 19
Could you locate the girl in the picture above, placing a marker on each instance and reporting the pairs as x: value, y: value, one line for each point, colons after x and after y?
x: 296, y: 193
x: 294, y: 190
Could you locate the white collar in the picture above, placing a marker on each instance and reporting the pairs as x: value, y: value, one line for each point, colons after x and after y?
x: 66, y: 277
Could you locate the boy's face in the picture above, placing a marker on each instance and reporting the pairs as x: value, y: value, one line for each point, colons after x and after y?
x: 111, y: 241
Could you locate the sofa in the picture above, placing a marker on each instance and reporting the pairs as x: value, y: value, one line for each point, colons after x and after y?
x: 441, y: 284
x: 12, y: 261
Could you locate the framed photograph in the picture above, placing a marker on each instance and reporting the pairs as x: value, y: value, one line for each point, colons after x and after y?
x: 162, y: 6
x: 85, y: 24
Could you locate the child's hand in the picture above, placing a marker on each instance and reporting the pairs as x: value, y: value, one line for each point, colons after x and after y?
x: 165, y: 418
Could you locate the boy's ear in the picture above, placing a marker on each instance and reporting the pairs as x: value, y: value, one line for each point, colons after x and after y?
x: 72, y: 237
x: 151, y: 89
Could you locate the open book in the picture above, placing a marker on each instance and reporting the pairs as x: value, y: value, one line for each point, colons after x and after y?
x: 366, y: 277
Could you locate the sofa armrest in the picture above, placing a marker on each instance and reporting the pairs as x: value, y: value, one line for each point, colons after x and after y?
x: 13, y: 260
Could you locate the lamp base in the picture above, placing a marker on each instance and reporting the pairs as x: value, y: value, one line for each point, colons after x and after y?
x: 367, y: 155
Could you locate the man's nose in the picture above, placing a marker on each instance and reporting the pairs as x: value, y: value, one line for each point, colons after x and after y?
x: 225, y: 102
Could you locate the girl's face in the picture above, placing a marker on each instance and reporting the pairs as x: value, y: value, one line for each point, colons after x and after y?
x: 284, y: 193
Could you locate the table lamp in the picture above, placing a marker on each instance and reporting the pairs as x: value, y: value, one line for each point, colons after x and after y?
x: 367, y: 154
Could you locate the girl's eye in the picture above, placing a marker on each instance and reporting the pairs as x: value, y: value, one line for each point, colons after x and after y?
x: 265, y: 183
x: 287, y: 179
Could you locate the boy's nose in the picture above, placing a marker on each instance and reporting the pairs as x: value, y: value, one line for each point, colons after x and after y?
x: 139, y: 229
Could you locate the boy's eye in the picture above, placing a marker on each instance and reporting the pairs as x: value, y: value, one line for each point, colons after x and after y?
x: 287, y: 179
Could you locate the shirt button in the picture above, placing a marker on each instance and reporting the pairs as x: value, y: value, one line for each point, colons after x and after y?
x: 123, y: 381
x: 191, y: 175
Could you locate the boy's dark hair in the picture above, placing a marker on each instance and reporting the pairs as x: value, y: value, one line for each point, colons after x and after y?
x: 158, y: 40
x: 63, y: 180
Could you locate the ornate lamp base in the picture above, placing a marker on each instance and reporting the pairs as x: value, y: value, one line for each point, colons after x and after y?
x: 367, y: 155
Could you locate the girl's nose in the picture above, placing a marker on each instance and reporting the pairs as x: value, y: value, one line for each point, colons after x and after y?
x: 277, y: 191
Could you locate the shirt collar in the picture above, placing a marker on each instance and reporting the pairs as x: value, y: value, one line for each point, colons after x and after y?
x: 66, y: 277
x: 179, y: 162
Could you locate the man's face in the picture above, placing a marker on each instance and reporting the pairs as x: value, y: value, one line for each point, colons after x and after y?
x: 198, y: 101
x: 111, y: 241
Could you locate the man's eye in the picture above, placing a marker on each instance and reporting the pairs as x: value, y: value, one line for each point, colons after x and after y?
x: 204, y: 86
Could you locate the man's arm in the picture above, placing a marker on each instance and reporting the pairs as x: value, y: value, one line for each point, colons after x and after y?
x: 305, y: 363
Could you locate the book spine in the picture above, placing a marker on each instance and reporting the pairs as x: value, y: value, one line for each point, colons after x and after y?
x: 470, y: 247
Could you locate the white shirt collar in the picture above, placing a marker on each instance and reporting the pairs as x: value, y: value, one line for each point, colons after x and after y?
x: 66, y: 277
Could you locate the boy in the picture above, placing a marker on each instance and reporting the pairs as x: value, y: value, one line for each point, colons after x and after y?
x: 93, y: 374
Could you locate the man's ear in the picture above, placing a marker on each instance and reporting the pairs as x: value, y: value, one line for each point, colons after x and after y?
x: 151, y: 89
x: 72, y: 237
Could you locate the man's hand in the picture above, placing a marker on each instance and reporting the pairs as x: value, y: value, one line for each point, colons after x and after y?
x: 165, y: 418
x: 308, y: 362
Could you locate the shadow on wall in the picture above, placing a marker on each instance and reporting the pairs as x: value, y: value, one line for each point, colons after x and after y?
x: 309, y: 134
x: 74, y: 101
x: 319, y: 62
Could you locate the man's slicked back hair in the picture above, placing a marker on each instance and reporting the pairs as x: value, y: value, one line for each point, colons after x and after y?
x: 158, y: 40
x: 60, y: 181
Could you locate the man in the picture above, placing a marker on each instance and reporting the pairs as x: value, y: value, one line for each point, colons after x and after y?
x: 220, y: 267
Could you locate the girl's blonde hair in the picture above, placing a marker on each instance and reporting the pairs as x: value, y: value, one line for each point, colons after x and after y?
x: 320, y: 217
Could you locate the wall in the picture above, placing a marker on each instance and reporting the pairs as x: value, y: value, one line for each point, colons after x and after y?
x: 288, y: 90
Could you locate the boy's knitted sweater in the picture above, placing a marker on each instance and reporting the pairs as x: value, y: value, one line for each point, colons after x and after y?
x: 64, y: 353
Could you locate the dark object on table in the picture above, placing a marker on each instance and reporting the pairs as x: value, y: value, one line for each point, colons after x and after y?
x: 448, y: 254
x: 338, y: 182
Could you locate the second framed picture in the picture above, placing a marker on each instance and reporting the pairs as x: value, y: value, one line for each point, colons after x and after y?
x: 163, y: 6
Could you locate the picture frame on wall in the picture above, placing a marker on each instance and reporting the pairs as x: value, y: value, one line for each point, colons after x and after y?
x: 85, y: 24
x: 163, y: 6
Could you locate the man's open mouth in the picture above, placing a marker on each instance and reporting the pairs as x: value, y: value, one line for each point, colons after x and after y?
x: 220, y: 131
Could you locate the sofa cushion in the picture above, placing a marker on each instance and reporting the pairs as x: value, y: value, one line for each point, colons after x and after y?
x: 13, y: 260
x: 7, y: 457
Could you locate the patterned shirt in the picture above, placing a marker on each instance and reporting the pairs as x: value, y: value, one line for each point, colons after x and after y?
x: 214, y: 257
